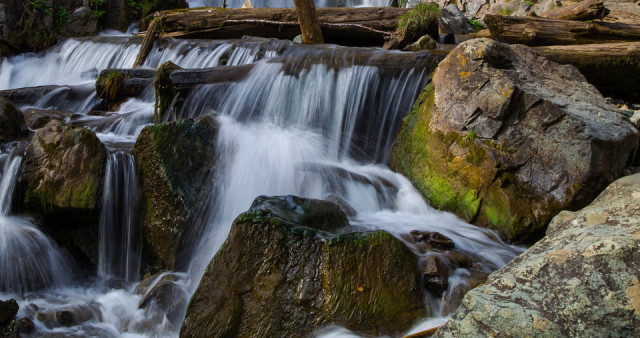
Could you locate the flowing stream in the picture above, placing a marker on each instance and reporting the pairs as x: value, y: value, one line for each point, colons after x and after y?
x: 315, y: 122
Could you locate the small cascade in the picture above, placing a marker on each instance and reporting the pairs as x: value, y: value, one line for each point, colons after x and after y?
x: 29, y: 260
x: 119, y: 225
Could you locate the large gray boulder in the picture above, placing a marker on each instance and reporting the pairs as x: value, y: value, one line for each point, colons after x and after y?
x: 582, y: 279
x: 174, y: 161
x: 507, y: 139
x: 277, y: 277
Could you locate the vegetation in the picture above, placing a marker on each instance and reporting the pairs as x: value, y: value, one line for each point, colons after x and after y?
x: 112, y: 84
x: 97, y: 9
x: 419, y: 18
x: 529, y: 3
x: 506, y: 11
x: 477, y: 25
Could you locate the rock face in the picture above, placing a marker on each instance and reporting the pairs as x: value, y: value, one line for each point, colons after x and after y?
x: 275, y: 277
x: 61, y: 179
x: 81, y: 22
x: 453, y: 21
x: 174, y: 162
x: 476, y: 9
x: 12, y: 125
x: 505, y: 138
x: 582, y: 279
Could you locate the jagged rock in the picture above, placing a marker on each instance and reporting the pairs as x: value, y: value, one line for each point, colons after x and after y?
x: 435, y: 275
x: 12, y: 125
x: 174, y: 163
x: 580, y: 280
x: 433, y: 239
x: 511, y: 139
x: 453, y: 21
x: 8, y: 310
x: 38, y: 118
x: 61, y: 179
x: 305, y: 277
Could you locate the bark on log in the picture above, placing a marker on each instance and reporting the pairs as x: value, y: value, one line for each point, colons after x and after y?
x: 534, y: 31
x: 346, y: 26
x: 614, y: 68
x: 308, y: 20
x: 152, y: 34
x: 581, y: 11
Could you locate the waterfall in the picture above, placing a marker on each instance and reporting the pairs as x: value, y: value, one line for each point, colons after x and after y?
x: 29, y: 260
x: 119, y: 226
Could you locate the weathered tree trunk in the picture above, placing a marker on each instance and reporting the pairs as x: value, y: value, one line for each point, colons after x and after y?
x: 581, y: 11
x: 346, y: 26
x: 614, y: 68
x: 152, y: 34
x: 534, y: 31
x: 309, y: 25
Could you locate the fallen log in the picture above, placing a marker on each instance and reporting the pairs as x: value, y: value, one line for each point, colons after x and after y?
x: 28, y: 96
x: 308, y: 19
x: 115, y: 85
x: 581, y: 11
x: 533, y: 31
x: 613, y: 68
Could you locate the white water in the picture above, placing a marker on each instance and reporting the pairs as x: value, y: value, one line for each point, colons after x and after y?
x: 317, y: 130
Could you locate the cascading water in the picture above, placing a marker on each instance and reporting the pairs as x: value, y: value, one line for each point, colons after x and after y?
x: 29, y: 260
x: 119, y: 223
x: 315, y: 122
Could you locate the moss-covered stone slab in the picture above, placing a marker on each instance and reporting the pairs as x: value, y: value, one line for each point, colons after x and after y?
x: 505, y: 138
x: 275, y: 276
x: 175, y: 162
x: 582, y: 279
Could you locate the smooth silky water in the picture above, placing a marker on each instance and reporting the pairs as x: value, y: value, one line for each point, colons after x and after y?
x: 315, y: 122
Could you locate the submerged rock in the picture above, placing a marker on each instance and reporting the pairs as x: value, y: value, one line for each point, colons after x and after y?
x: 175, y: 163
x: 38, y: 118
x: 12, y: 125
x: 166, y: 293
x: 582, y: 279
x: 61, y: 179
x: 275, y: 276
x: 505, y: 138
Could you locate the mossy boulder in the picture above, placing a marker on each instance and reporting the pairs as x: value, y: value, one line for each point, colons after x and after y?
x: 175, y: 162
x: 61, y: 179
x: 582, y: 279
x: 276, y: 277
x: 12, y: 125
x: 507, y: 139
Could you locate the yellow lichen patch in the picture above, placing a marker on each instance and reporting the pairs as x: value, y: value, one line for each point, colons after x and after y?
x: 558, y: 256
x: 361, y: 287
x: 464, y: 74
x: 596, y: 218
x: 506, y: 93
x: 462, y: 59
x: 541, y: 323
x: 633, y: 293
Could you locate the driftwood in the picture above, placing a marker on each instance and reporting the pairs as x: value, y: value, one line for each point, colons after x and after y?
x: 614, y: 68
x: 533, y: 31
x: 582, y: 11
x: 147, y: 44
x: 308, y: 19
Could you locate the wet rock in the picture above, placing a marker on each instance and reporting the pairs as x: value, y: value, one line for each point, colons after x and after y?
x: 435, y: 275
x: 512, y: 146
x: 425, y: 42
x: 175, y: 163
x: 166, y: 293
x: 306, y: 278
x: 453, y: 21
x: 81, y: 23
x: 26, y: 325
x: 317, y: 214
x: 65, y: 318
x: 8, y: 310
x: 433, y: 239
x: 344, y: 205
x: 12, y: 125
x: 580, y: 280
x: 38, y: 118
x: 453, y: 297
x: 61, y: 179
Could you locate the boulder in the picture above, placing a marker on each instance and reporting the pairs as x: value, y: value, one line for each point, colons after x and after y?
x: 453, y: 21
x: 276, y: 277
x: 12, y: 125
x: 38, y: 118
x: 582, y: 279
x: 505, y: 138
x: 61, y: 179
x: 81, y: 22
x: 8, y: 310
x: 167, y: 292
x: 174, y: 161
